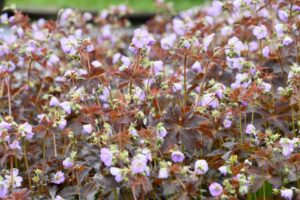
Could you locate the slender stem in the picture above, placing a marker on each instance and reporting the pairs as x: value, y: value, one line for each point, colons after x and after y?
x: 260, y: 47
x: 116, y: 194
x: 26, y: 164
x: 78, y: 184
x: 133, y: 192
x: 264, y: 191
x: 241, y: 128
x: 291, y: 11
x: 130, y: 89
x: 40, y: 90
x: 252, y: 116
x: 44, y: 146
x: 293, y: 118
x: 110, y: 95
x: 54, y: 145
x: 185, y: 80
x: 297, y: 175
x: 12, y: 173
x: 281, y: 64
x: 8, y: 96
x: 29, y: 72
x: 201, y: 150
x: 2, y: 88
x: 200, y: 195
x: 248, y: 196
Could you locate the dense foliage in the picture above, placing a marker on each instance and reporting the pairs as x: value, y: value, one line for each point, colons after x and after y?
x: 201, y: 105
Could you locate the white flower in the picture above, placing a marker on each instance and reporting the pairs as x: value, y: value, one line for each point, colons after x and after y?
x: 201, y: 167
x: 163, y: 173
x: 117, y: 173
x: 17, y: 180
x: 287, y: 194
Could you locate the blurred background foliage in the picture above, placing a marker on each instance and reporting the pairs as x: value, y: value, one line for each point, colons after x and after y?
x: 137, y: 5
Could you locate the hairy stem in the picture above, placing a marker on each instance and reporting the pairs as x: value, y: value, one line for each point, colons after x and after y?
x: 54, y: 144
x: 185, y: 80
x: 297, y: 175
x: 78, y: 184
x: 281, y: 64
x: 241, y: 128
x: 26, y: 164
x: 12, y: 174
x: 116, y: 194
x: 8, y: 96
x: 264, y: 191
x: 29, y: 71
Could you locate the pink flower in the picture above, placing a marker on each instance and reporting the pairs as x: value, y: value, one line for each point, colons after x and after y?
x: 3, y: 189
x: 62, y: 124
x: 68, y: 163
x: 116, y: 58
x: 53, y: 60
x: 177, y: 156
x: 266, y: 87
x: 210, y: 100
x: 168, y: 41
x: 146, y: 152
x: 142, y: 38
x: 287, y: 41
x: 106, y: 156
x: 161, y: 131
x: 15, y: 145
x: 234, y: 44
x: 5, y: 125
x: 227, y: 122
x: 215, y: 9
x: 260, y: 32
x: 179, y: 27
x: 177, y: 87
x: 14, y: 179
x: 66, y: 106
x: 125, y: 60
x: 226, y: 31
x: 207, y: 40
x: 253, y: 46
x: 96, y: 63
x: 280, y: 28
x: 58, y: 198
x: 58, y: 178
x: 106, y: 31
x: 250, y: 129
x: 266, y: 51
x: 197, y: 67
x: 87, y: 129
x: 283, y: 15
x: 54, y: 102
x: 90, y: 48
x: 242, y: 80
x: 157, y: 66
x: 223, y: 170
x: 139, y: 164
x: 287, y: 146
x: 26, y: 130
x: 69, y: 45
x: 215, y: 189
x: 117, y: 173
